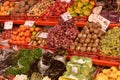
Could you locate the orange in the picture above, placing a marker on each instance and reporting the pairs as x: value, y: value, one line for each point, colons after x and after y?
x: 32, y: 29
x: 28, y: 39
x: 21, y: 33
x: 15, y: 32
x: 6, y: 3
x: 17, y: 38
x: 22, y: 38
x: 6, y: 8
x: 2, y: 8
x: 12, y: 4
x: 11, y: 9
x: 37, y: 29
x: 21, y: 26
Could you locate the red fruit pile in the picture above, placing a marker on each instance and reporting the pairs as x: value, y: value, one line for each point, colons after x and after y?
x: 62, y: 35
x: 57, y: 9
x: 7, y: 34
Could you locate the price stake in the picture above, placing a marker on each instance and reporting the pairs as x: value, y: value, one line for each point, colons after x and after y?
x: 104, y: 22
x: 66, y: 16
x: 68, y: 1
x: 29, y: 23
x: 43, y: 35
x: 8, y: 25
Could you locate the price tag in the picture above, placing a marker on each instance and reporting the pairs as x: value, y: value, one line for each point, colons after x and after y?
x: 68, y: 1
x: 97, y: 10
x: 104, y: 22
x: 66, y: 16
x: 93, y: 18
x: 43, y: 35
x: 29, y: 23
x: 8, y: 25
x: 15, y: 47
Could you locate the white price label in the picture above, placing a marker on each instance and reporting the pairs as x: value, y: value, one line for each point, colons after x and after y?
x: 104, y: 22
x: 68, y: 1
x: 97, y: 10
x: 8, y: 25
x: 43, y: 35
x: 29, y: 23
x: 93, y: 18
x: 66, y: 16
x: 15, y: 47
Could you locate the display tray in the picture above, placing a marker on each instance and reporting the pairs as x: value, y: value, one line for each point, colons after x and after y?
x: 97, y: 58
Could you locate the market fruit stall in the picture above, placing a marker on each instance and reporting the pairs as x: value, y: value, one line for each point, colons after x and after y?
x: 59, y: 40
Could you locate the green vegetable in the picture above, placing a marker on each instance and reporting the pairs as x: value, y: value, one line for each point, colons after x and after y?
x: 26, y: 58
x: 79, y: 68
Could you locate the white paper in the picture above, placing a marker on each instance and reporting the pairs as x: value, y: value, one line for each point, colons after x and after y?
x: 97, y: 10
x: 104, y: 22
x: 8, y: 25
x: 93, y: 18
x: 43, y: 35
x: 74, y: 69
x: 66, y: 16
x: 29, y: 23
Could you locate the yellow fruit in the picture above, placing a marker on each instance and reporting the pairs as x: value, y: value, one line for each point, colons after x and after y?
x: 118, y: 73
x: 106, y: 71
x: 113, y: 75
x: 102, y: 76
x: 92, y: 3
x: 84, y: 0
x: 114, y: 69
x: 118, y: 78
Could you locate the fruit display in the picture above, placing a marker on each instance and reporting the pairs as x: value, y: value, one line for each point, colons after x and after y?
x: 78, y: 68
x: 23, y: 34
x: 6, y: 8
x: 52, y: 40
x: 62, y: 35
x: 7, y: 34
x: 81, y: 7
x: 22, y: 7
x: 39, y: 39
x: 88, y: 39
x: 56, y: 9
x: 112, y: 73
x: 110, y: 44
x: 40, y: 8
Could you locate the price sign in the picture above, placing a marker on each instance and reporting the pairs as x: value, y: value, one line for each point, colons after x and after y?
x: 43, y: 35
x: 29, y: 23
x: 8, y: 25
x: 97, y: 10
x: 66, y: 16
x: 15, y: 47
x: 93, y: 18
x: 103, y: 21
x: 68, y: 1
